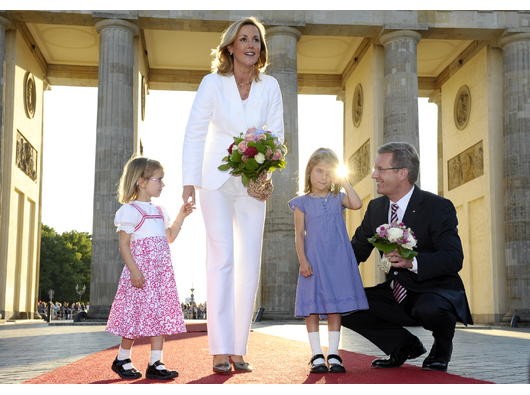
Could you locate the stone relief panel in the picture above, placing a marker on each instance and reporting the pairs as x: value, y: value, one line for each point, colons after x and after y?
x: 26, y: 156
x: 359, y: 163
x: 465, y: 166
x: 462, y: 108
x: 30, y: 95
x: 358, y: 104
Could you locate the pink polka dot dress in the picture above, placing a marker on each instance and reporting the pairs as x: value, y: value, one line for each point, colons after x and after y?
x: 153, y: 310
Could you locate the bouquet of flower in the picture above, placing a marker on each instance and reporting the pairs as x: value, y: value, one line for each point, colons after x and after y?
x: 253, y: 156
x: 394, y: 236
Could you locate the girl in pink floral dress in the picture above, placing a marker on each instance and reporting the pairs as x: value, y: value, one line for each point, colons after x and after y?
x: 146, y: 302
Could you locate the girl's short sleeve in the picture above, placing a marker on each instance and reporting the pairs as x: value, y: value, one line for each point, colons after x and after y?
x: 167, y: 220
x: 126, y: 218
x: 297, y: 202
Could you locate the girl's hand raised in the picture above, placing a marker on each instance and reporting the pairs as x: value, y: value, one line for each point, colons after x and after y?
x: 187, y: 208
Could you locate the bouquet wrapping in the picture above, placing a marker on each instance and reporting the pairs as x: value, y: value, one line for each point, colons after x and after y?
x: 254, y: 156
x: 394, y: 236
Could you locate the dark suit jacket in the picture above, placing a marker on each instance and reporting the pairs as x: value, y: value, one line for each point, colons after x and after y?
x: 433, y: 220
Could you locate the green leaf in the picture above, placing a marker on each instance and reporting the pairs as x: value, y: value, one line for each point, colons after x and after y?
x: 406, y: 253
x: 236, y: 156
x: 251, y: 164
x: 225, y: 167
x: 244, y: 179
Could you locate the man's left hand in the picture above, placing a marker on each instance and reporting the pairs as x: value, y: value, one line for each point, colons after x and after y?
x: 398, y: 261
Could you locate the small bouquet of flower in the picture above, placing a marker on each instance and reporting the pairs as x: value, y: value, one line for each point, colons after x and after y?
x: 253, y: 156
x: 394, y: 236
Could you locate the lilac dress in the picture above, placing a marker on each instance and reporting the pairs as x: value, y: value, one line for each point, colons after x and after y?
x: 335, y: 286
x: 153, y: 310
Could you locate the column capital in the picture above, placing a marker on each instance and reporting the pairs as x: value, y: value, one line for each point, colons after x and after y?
x: 119, y: 23
x: 272, y: 31
x: 436, y: 97
x: 5, y: 23
x: 386, y: 38
x: 511, y: 38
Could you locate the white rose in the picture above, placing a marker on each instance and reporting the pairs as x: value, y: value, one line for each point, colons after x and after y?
x: 394, y: 234
x: 260, y: 158
x: 411, y: 243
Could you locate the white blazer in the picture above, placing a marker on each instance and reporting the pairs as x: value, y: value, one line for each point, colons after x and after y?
x: 217, y: 115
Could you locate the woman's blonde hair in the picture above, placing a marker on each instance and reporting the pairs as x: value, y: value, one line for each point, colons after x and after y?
x: 134, y: 170
x: 223, y: 62
x: 321, y: 155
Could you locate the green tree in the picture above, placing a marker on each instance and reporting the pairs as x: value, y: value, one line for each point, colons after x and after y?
x: 64, y: 263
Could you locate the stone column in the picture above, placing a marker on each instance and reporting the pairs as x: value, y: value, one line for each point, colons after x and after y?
x: 4, y: 24
x: 114, y: 146
x: 516, y: 55
x: 279, y: 270
x: 401, y: 87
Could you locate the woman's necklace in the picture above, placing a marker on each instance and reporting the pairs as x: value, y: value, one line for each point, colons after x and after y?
x: 243, y: 83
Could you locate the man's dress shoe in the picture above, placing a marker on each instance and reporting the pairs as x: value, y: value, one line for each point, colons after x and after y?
x: 400, y: 355
x: 438, y: 359
x: 434, y: 364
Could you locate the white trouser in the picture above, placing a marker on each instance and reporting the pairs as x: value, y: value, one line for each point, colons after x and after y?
x: 234, y: 225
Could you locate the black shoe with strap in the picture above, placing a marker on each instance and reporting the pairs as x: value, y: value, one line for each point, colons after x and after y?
x: 400, y: 355
x: 127, y: 374
x: 319, y: 367
x: 335, y: 367
x: 160, y: 374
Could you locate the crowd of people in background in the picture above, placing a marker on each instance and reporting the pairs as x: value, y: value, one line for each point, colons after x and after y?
x: 69, y: 311
x: 193, y: 311
x: 61, y: 310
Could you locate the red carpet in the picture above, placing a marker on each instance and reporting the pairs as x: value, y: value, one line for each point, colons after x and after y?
x: 276, y: 360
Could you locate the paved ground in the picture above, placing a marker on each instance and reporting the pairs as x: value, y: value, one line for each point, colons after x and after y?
x: 27, y: 350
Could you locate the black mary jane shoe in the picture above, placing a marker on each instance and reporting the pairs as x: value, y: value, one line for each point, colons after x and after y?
x: 127, y: 374
x: 335, y: 367
x: 319, y: 367
x: 160, y: 374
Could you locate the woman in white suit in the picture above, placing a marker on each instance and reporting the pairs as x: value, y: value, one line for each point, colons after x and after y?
x: 235, y: 97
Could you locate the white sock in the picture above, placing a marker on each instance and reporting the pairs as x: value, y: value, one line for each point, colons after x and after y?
x: 333, y: 339
x: 156, y: 355
x: 123, y: 353
x: 314, y: 342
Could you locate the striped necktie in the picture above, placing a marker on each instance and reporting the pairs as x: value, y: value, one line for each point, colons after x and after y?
x: 398, y: 290
x: 393, y: 213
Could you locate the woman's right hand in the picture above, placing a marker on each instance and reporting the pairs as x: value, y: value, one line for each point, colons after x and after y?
x: 188, y: 191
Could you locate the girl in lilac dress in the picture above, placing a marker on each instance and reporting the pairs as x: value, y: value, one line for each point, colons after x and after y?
x: 329, y: 282
x: 146, y: 302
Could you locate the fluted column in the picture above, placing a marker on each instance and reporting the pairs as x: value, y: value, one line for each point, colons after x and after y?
x: 114, y: 146
x: 401, y: 87
x: 4, y: 24
x: 280, y: 265
x: 516, y: 55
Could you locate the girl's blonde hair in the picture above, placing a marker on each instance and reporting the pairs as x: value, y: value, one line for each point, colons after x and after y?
x: 223, y: 62
x: 134, y: 170
x: 321, y: 155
